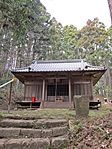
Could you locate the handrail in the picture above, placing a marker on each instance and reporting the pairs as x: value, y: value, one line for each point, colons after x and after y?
x: 8, y: 82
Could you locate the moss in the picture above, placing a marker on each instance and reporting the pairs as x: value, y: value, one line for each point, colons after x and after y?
x: 1, y: 116
x: 55, y: 113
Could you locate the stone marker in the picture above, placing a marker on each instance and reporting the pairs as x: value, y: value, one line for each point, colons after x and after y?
x: 81, y: 106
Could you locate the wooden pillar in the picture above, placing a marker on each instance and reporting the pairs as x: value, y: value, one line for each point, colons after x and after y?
x: 43, y: 93
x: 91, y: 90
x: 55, y: 89
x: 9, y: 101
x: 24, y: 92
x: 70, y: 90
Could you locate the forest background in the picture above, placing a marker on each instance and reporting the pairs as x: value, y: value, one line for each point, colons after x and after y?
x: 27, y: 33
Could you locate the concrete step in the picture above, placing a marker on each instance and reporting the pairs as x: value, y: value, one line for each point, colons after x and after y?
x: 34, y: 143
x: 37, y: 124
x: 32, y: 133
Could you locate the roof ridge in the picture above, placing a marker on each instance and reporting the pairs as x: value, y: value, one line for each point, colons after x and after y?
x: 59, y: 61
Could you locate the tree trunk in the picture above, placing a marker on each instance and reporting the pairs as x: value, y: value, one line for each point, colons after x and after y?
x: 110, y: 8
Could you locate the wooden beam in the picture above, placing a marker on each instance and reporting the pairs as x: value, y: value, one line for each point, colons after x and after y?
x: 86, y: 82
x: 43, y: 93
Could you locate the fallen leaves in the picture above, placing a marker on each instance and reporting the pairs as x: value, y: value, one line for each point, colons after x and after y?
x: 94, y: 134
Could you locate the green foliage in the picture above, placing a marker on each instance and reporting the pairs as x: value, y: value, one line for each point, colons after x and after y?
x: 27, y: 33
x: 19, y: 16
x: 108, y: 91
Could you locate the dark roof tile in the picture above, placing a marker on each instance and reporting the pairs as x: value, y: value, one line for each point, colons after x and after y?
x: 58, y: 66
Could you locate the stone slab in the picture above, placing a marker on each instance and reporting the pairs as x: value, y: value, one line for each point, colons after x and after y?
x: 26, y: 143
x: 39, y: 124
x: 31, y: 133
x: 46, y: 133
x: 16, y: 123
x: 59, y: 142
x: 2, y: 143
x: 9, y: 132
x: 59, y: 131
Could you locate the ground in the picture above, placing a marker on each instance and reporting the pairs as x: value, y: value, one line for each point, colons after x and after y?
x: 55, y: 113
x: 95, y: 132
x: 92, y: 134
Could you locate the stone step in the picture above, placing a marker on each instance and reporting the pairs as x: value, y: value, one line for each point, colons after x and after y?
x: 37, y: 124
x: 32, y: 133
x: 34, y: 143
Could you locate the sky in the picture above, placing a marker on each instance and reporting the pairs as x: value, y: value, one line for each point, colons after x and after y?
x: 77, y: 12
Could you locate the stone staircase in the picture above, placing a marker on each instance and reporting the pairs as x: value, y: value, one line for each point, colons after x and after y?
x: 33, y: 133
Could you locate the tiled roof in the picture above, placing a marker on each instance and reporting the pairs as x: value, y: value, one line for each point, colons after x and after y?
x: 58, y: 66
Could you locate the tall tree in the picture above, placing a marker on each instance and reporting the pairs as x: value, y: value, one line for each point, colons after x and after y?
x: 23, y: 32
x: 110, y: 8
x: 18, y: 16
